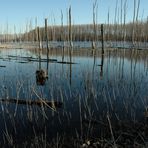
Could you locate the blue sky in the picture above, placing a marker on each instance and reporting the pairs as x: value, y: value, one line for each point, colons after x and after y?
x: 20, y: 12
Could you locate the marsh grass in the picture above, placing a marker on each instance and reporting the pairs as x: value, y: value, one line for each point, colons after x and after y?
x: 104, y: 97
x: 108, y: 114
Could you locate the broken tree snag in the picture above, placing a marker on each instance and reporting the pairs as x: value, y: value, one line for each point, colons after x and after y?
x: 52, y: 104
x: 102, y: 37
x: 41, y: 77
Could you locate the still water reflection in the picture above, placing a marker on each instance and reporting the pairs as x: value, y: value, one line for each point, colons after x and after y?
x: 89, y: 87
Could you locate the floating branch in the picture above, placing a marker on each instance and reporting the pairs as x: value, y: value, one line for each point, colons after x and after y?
x: 13, y: 56
x: 62, y: 62
x: 30, y: 59
x: 43, y: 60
x: 23, y: 62
x: 3, y: 66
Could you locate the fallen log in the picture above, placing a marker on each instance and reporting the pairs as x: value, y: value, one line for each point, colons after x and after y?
x: 2, y: 66
x: 23, y: 57
x: 41, y: 102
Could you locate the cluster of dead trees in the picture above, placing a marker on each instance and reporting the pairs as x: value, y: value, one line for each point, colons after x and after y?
x: 112, y: 32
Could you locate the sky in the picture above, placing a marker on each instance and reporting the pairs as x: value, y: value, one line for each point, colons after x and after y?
x: 18, y: 13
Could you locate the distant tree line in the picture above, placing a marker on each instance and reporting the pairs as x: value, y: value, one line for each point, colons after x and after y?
x: 112, y: 32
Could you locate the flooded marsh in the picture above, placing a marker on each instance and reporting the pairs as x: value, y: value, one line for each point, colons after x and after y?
x: 86, y: 97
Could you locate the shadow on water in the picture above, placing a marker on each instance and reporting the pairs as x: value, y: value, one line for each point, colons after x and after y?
x: 84, y: 102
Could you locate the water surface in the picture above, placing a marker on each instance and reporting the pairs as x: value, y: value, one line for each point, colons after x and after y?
x: 90, y: 88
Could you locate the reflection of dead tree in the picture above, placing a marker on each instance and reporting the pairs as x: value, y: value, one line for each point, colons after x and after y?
x: 101, y: 66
